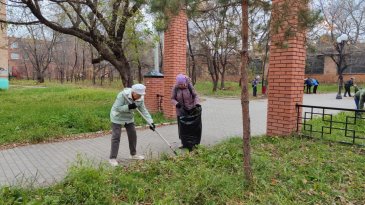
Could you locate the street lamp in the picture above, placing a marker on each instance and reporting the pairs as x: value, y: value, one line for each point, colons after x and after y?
x: 341, y: 41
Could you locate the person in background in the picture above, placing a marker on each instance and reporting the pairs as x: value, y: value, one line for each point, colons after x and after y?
x: 359, y: 98
x: 254, y: 83
x: 308, y: 83
x: 315, y: 84
x: 348, y: 85
x: 122, y: 113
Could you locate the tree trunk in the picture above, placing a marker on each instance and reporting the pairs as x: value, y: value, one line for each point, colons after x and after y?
x: 193, y: 70
x: 83, y: 64
x: 126, y: 77
x: 126, y: 73
x: 161, y: 57
x: 111, y: 75
x: 215, y: 71
x: 40, y: 77
x: 121, y: 64
x: 102, y: 76
x: 222, y: 80
x: 213, y: 74
x: 94, y: 74
x: 49, y: 76
x: 263, y: 83
x: 26, y: 71
x: 215, y: 85
x: 139, y: 71
x: 245, y: 96
x: 62, y: 72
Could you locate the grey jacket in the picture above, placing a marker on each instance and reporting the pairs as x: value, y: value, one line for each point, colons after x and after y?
x: 120, y: 113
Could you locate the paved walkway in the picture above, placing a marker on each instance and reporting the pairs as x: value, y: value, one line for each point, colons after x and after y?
x: 44, y: 164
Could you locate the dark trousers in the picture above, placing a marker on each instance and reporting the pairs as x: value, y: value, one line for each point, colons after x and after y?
x: 357, y: 101
x: 178, y: 126
x: 254, y: 91
x: 315, y: 89
x: 347, y: 90
x: 309, y: 89
x: 132, y: 139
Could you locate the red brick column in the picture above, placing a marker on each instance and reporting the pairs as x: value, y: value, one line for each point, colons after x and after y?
x: 286, y: 74
x: 154, y: 89
x: 174, y: 60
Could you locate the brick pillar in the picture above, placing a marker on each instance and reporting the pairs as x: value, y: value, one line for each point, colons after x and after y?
x: 286, y: 74
x: 4, y: 82
x: 154, y: 91
x: 174, y: 60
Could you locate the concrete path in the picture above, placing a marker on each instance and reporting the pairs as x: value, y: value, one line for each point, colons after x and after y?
x: 45, y: 164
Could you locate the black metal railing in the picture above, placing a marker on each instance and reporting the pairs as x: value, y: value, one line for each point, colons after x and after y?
x: 159, y: 102
x: 330, y: 123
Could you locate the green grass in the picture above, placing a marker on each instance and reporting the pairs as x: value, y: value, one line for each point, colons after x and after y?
x: 116, y: 84
x: 337, y: 135
x: 232, y: 89
x: 286, y: 171
x: 37, y: 114
x: 327, y: 88
x: 333, y: 88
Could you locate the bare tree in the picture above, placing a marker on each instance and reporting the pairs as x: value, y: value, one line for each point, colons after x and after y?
x: 218, y: 39
x: 100, y: 23
x: 39, y: 49
x: 138, y: 40
x: 192, y: 70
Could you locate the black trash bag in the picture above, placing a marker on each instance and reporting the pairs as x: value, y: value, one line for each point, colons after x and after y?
x: 190, y: 128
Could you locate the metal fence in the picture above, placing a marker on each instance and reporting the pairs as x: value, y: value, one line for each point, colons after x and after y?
x: 159, y: 102
x: 330, y: 123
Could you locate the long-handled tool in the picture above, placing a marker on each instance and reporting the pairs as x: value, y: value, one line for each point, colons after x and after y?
x: 149, y: 123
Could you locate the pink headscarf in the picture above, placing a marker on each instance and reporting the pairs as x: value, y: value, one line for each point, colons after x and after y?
x: 181, y: 79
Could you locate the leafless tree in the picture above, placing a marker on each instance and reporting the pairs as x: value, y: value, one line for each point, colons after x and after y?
x: 218, y: 39
x: 39, y: 49
x: 100, y: 23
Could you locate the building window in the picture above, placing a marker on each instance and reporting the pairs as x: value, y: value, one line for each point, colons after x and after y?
x: 14, y: 55
x: 14, y: 45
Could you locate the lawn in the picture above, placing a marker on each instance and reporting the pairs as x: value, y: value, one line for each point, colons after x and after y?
x: 286, y: 171
x: 33, y: 115
x: 355, y: 127
x: 232, y: 89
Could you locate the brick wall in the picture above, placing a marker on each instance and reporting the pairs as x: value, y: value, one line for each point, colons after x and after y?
x: 286, y: 74
x: 154, y: 87
x: 330, y: 73
x: 174, y: 60
x: 359, y: 78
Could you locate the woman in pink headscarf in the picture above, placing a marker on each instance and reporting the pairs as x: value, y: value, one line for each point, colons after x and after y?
x: 187, y: 106
x: 184, y: 96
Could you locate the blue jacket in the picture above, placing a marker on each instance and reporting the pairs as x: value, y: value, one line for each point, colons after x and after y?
x: 315, y: 82
x: 308, y: 82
